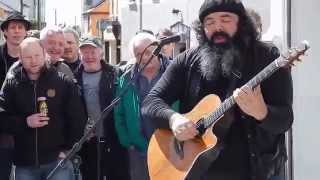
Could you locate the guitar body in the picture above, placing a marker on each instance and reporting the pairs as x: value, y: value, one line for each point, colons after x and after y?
x: 165, y: 163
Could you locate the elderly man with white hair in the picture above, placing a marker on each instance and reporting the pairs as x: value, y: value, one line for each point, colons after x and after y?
x: 53, y: 41
x: 134, y: 131
x: 102, y: 155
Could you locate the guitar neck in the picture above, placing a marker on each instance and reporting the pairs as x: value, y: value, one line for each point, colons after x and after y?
x: 229, y: 102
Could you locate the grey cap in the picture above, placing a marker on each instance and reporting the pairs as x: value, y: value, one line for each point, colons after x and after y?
x: 90, y: 40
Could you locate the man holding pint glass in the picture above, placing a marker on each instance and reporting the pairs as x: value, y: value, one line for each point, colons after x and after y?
x: 46, y: 114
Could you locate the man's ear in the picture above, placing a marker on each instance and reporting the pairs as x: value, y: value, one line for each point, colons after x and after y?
x: 101, y: 53
x: 5, y: 32
x: 42, y: 43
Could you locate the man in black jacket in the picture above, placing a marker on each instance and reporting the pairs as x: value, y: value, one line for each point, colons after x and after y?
x: 102, y: 155
x: 15, y: 29
x: 229, y: 54
x: 40, y: 140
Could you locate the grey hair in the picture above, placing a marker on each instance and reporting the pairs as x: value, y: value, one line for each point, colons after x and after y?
x: 138, y: 38
x: 73, y: 32
x: 49, y: 30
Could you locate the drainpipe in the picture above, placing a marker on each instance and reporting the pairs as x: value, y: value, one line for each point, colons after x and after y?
x: 21, y: 7
x: 140, y: 10
x: 38, y: 15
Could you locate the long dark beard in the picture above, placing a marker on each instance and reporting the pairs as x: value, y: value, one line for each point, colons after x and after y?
x: 217, y: 61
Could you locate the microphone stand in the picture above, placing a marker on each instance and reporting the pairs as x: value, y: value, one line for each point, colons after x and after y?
x: 77, y: 146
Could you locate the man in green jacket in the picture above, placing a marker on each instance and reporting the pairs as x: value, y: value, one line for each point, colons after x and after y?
x: 134, y: 131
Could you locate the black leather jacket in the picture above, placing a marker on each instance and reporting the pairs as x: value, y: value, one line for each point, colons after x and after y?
x: 266, y: 139
x: 116, y: 155
x: 4, y: 66
x: 106, y: 95
x: 34, y: 146
x: 5, y: 63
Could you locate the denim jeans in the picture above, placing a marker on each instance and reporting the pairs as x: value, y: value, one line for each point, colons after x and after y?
x: 40, y: 173
x: 138, y: 165
x: 276, y: 178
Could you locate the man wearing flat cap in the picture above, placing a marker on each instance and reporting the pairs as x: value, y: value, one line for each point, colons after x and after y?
x: 250, y: 142
x: 102, y: 155
x: 15, y: 29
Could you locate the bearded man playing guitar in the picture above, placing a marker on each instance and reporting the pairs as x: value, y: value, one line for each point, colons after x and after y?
x: 249, y: 139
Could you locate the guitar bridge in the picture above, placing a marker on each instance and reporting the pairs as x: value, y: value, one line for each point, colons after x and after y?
x: 178, y: 147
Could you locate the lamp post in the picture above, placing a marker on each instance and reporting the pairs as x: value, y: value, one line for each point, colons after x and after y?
x: 21, y: 7
x: 140, y: 11
x: 38, y: 15
x: 55, y: 16
x: 133, y: 7
x: 178, y: 12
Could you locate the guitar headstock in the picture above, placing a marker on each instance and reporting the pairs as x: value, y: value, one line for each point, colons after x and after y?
x: 294, y: 54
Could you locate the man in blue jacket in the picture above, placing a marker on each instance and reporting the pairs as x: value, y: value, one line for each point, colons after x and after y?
x: 134, y: 130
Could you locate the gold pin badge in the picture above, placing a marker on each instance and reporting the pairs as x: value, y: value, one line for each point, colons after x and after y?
x: 51, y: 93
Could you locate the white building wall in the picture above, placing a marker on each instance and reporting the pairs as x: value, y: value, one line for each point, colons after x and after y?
x: 15, y: 4
x: 157, y: 16
x: 306, y: 145
x: 29, y: 10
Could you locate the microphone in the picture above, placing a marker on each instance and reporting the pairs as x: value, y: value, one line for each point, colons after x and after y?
x: 170, y: 39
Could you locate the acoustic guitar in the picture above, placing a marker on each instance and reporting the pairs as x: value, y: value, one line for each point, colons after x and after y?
x: 170, y: 159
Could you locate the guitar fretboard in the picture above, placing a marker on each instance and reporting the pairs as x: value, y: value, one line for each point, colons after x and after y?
x: 229, y: 102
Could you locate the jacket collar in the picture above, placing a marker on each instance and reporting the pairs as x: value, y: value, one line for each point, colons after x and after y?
x: 104, y: 65
x: 164, y: 63
x: 20, y: 73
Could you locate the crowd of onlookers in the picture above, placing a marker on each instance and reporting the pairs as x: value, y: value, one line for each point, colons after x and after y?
x: 70, y: 75
x: 69, y: 72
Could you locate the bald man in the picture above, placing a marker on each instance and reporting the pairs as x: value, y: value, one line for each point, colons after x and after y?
x: 41, y: 139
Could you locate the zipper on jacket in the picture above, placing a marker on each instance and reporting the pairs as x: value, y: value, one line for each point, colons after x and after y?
x: 36, y: 129
x: 6, y: 65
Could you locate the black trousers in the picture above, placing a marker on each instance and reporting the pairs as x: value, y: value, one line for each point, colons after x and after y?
x: 6, y: 156
x: 113, y: 163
